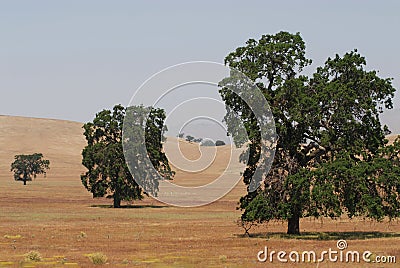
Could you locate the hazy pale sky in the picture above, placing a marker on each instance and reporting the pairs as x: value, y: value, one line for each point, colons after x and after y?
x: 70, y: 59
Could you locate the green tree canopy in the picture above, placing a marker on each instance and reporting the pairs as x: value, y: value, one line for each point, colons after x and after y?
x: 190, y: 138
x: 27, y: 166
x: 330, y: 138
x: 207, y: 142
x: 143, y: 133
x: 219, y: 143
x: 108, y: 173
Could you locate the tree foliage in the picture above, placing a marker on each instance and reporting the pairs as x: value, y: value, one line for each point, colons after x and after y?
x: 219, y: 143
x: 198, y: 140
x: 143, y: 132
x: 207, y: 142
x: 189, y: 138
x: 27, y: 166
x: 330, y: 152
x: 108, y: 173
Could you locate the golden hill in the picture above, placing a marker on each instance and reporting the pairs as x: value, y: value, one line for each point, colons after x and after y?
x: 62, y: 142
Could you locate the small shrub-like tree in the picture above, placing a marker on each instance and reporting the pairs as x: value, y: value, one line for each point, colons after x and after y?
x: 198, y: 140
x: 189, y: 138
x: 207, y: 143
x: 27, y: 166
x: 219, y: 143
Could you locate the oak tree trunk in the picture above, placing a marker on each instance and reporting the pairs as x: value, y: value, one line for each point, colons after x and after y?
x: 294, y: 225
x: 117, y: 202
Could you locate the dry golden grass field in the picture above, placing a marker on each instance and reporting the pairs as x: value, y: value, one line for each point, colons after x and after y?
x: 57, y: 217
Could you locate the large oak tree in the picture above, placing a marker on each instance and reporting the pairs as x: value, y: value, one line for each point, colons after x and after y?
x: 330, y: 154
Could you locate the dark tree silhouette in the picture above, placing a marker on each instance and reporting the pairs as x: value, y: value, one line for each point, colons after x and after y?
x: 27, y: 166
x: 219, y: 143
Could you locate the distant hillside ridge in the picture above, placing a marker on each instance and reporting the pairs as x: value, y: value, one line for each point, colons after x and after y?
x: 62, y: 142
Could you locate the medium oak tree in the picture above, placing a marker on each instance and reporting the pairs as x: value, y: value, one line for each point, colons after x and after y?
x: 108, y: 173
